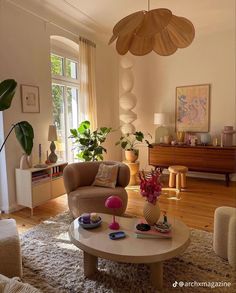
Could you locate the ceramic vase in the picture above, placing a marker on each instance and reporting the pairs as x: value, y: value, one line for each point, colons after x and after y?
x: 151, y: 213
x: 24, y: 162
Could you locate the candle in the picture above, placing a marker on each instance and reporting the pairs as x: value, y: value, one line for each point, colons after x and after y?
x: 40, y: 152
x: 221, y: 140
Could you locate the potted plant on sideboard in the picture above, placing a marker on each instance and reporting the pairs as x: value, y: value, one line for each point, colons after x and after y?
x: 129, y: 143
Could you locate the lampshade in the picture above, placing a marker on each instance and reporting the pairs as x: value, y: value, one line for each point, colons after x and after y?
x: 52, y: 133
x: 113, y: 202
x: 161, y: 118
x: 158, y: 30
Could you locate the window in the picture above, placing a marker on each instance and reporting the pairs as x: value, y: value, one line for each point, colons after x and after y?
x: 65, y: 97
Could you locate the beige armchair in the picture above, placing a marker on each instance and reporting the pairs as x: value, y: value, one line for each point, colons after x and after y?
x: 84, y: 197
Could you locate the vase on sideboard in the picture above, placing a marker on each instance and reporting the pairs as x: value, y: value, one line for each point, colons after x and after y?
x: 24, y: 162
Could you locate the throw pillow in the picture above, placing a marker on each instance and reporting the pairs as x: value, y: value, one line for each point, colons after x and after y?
x: 106, y: 176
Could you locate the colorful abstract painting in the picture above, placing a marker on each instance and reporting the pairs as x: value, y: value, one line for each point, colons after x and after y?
x: 192, y: 108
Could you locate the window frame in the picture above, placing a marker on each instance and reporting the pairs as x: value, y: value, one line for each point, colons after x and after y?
x: 63, y: 80
x: 63, y: 77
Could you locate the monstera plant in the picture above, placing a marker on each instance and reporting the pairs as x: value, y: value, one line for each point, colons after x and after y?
x: 23, y: 130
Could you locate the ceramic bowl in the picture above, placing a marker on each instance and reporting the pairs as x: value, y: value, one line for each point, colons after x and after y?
x: 91, y: 225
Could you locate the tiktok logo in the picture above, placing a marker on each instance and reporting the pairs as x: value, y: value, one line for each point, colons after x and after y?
x: 175, y: 284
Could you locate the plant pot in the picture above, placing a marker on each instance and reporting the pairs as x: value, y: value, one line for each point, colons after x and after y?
x: 151, y: 213
x: 131, y: 155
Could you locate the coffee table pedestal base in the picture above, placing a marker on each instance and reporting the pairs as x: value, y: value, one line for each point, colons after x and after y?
x: 156, y: 274
x: 90, y: 264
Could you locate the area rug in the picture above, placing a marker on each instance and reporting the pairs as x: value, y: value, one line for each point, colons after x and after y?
x: 54, y: 265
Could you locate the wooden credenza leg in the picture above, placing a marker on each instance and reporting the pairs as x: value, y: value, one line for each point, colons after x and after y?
x: 90, y: 264
x: 156, y: 275
x: 227, y: 179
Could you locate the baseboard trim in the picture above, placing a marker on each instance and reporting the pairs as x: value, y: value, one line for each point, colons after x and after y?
x: 11, y: 209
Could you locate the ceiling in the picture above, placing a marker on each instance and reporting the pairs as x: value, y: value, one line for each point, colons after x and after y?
x: 101, y: 15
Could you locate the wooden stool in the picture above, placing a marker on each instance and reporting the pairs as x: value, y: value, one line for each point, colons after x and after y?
x: 134, y: 169
x: 177, y: 176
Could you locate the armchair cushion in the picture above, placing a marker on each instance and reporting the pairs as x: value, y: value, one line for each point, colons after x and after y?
x: 106, y: 176
x: 89, y: 199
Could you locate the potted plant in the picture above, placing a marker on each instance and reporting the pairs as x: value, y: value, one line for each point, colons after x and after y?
x: 23, y: 130
x: 89, y: 142
x: 129, y: 142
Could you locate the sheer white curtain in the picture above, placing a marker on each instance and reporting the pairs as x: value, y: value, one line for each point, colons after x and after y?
x: 87, y: 94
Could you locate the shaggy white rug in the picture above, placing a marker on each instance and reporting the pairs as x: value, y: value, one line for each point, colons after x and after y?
x: 54, y: 265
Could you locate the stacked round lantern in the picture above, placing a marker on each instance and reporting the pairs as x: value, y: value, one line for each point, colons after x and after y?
x: 127, y: 99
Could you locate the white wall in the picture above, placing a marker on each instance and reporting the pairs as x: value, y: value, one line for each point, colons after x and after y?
x: 108, y: 97
x: 209, y: 59
x: 25, y: 56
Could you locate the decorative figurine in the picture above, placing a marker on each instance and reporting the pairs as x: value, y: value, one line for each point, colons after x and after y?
x: 163, y: 226
x: 164, y: 218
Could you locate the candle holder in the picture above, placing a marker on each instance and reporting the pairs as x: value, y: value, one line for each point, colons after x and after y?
x: 40, y: 164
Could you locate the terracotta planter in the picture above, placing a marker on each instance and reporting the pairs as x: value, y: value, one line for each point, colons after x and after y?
x: 151, y: 212
x: 131, y: 156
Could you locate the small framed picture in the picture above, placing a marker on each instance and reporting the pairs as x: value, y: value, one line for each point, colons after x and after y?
x: 192, y: 108
x: 30, y: 99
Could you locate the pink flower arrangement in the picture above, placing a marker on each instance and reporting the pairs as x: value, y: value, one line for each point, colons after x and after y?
x: 150, y: 187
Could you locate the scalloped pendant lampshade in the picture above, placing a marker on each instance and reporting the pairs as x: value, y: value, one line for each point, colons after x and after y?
x: 158, y: 30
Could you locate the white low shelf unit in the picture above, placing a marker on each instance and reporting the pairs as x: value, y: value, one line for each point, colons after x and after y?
x: 36, y: 186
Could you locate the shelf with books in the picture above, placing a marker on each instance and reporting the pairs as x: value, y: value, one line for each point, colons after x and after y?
x: 37, y: 185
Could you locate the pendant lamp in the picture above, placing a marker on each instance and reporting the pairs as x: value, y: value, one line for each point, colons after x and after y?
x: 158, y: 30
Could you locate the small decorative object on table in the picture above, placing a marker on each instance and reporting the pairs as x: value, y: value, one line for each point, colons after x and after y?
x: 163, y: 226
x: 114, y: 202
x: 151, y: 189
x: 89, y: 221
x: 117, y: 235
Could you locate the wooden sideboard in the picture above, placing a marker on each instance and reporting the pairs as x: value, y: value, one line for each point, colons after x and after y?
x: 221, y: 160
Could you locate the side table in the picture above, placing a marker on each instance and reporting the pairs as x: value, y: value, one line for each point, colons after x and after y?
x: 134, y: 169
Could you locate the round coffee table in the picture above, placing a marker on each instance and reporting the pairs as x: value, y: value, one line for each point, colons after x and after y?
x: 96, y: 243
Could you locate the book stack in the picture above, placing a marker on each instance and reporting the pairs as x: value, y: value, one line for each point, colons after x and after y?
x: 152, y: 233
x: 40, y: 176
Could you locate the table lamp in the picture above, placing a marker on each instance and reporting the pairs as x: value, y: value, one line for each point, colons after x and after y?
x: 161, y: 119
x: 52, y: 136
x: 114, y: 202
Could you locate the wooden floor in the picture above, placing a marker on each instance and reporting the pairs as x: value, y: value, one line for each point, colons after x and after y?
x: 195, y: 206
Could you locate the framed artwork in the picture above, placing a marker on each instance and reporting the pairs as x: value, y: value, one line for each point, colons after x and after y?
x: 30, y: 99
x: 192, y: 108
